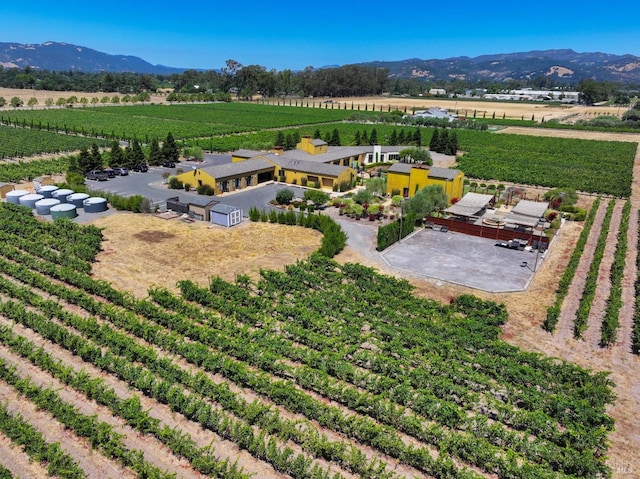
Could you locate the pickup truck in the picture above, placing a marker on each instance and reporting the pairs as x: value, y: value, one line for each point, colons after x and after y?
x: 97, y: 175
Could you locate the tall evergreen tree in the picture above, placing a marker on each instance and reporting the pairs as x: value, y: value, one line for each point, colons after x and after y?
x: 417, y: 137
x: 96, y: 162
x: 170, y: 150
x: 135, y: 155
x: 401, y: 139
x: 83, y: 163
x: 289, y: 142
x: 155, y: 153
x: 116, y: 155
x: 435, y: 140
x: 393, y: 139
x: 365, y: 138
x: 335, y: 138
x: 280, y: 139
x: 373, y: 139
x: 452, y: 146
x: 444, y: 141
x: 316, y: 134
x: 357, y: 140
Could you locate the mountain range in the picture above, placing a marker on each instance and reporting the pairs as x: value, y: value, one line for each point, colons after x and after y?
x: 562, y: 65
x: 58, y: 56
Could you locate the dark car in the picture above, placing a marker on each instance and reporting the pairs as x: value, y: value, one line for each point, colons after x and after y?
x: 121, y: 171
x: 169, y: 164
x: 141, y: 168
x: 97, y: 175
x: 110, y: 172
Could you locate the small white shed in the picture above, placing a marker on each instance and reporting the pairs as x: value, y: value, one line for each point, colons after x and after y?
x: 225, y: 215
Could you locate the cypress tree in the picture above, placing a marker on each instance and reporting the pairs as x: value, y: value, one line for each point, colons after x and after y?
x: 373, y: 139
x: 393, y: 139
x: 170, y: 150
x: 435, y: 140
x: 155, y: 154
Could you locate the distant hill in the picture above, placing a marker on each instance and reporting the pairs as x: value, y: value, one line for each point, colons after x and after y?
x: 56, y: 56
x: 561, y: 65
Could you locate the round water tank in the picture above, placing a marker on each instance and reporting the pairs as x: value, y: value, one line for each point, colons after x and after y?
x: 63, y: 210
x: 14, y: 196
x: 30, y: 200
x: 95, y: 205
x: 62, y: 194
x: 77, y: 199
x: 47, y: 190
x: 43, y: 207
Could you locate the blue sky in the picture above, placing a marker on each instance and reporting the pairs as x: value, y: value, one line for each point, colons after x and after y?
x: 285, y: 34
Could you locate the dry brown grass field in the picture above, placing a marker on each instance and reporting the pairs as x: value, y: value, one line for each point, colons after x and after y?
x: 141, y: 251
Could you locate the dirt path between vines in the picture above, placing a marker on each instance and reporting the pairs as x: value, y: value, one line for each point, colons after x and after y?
x: 565, y: 327
x: 592, y: 334
x: 18, y: 462
x: 96, y: 466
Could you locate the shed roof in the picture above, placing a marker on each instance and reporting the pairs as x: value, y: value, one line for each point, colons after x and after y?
x: 224, y: 209
x: 470, y: 204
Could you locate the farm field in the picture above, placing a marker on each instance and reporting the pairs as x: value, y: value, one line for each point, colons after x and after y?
x: 127, y: 264
x: 323, y: 384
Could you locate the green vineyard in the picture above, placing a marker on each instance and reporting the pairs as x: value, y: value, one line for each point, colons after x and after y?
x: 318, y: 371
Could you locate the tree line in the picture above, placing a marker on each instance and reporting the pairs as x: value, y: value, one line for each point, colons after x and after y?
x: 249, y: 80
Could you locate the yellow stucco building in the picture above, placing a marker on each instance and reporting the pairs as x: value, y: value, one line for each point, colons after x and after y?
x: 407, y: 178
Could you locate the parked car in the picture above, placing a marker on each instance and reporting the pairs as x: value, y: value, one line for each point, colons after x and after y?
x: 121, y: 171
x: 169, y: 164
x: 97, y: 175
x: 141, y: 168
x: 110, y: 172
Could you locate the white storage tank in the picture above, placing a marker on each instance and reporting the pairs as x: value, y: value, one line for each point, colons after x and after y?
x: 95, y: 205
x: 30, y: 200
x: 43, y: 207
x: 47, y: 190
x: 62, y: 194
x: 63, y: 210
x: 14, y: 196
x: 77, y: 199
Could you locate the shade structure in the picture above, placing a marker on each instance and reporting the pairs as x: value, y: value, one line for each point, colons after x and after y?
x: 14, y: 196
x: 43, y: 207
x: 95, y: 205
x: 63, y: 210
x: 30, y: 200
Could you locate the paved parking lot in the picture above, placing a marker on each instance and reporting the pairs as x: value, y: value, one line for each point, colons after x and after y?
x: 462, y: 259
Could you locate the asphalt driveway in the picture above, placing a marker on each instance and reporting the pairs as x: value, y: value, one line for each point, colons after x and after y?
x: 463, y: 259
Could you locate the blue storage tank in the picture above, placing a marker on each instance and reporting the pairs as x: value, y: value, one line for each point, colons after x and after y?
x: 47, y: 190
x: 30, y: 200
x: 62, y: 194
x: 43, y: 207
x: 77, y: 199
x: 95, y: 205
x: 14, y: 196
